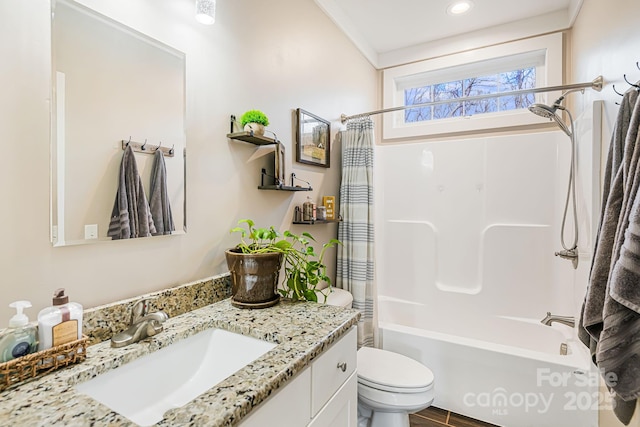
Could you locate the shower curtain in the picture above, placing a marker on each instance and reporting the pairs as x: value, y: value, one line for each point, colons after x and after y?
x: 355, y: 268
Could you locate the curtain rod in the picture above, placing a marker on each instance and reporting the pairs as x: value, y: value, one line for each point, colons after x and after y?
x: 596, y: 85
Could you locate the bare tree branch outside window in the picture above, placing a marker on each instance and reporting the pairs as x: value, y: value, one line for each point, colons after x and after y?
x: 460, y: 89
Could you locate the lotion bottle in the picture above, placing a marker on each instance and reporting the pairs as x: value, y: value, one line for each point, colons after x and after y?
x: 61, y: 323
x: 20, y: 338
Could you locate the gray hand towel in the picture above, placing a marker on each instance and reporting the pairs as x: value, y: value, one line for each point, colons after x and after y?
x: 130, y: 217
x: 159, y: 198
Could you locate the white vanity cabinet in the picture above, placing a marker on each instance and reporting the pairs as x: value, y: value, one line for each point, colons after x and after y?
x: 325, y: 394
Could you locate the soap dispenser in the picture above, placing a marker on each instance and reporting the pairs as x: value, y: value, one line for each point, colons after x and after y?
x: 20, y: 338
x: 61, y: 323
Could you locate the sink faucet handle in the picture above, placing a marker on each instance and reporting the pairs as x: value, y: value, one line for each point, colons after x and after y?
x: 154, y: 327
x: 140, y: 309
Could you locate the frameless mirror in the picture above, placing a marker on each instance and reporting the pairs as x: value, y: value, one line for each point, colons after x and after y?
x: 111, y: 84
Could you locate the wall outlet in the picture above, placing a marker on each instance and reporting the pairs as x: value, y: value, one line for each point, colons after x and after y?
x: 91, y: 231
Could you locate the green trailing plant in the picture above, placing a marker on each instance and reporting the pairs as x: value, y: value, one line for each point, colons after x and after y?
x: 254, y: 116
x: 304, y: 269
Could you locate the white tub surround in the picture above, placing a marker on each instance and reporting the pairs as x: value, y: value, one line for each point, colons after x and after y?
x: 467, y: 230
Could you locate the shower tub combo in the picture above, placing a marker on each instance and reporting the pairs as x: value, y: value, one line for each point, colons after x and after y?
x: 507, y: 371
x: 466, y: 236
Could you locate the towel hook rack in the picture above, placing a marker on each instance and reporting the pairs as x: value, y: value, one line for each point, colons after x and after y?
x: 144, y: 147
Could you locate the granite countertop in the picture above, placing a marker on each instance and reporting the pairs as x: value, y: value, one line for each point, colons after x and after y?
x: 301, y: 331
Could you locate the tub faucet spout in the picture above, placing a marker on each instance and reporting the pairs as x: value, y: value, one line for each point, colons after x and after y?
x: 565, y: 320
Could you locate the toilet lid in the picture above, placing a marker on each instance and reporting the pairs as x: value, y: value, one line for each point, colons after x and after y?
x: 385, y: 370
x: 338, y: 297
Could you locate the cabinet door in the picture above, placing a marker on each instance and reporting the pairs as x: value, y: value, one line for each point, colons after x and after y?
x: 288, y: 407
x: 331, y: 370
x: 342, y: 408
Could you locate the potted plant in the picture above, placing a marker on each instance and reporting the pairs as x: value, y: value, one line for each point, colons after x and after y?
x: 254, y: 121
x: 255, y: 266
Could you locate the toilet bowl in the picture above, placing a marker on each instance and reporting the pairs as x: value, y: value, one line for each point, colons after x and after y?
x: 390, y: 385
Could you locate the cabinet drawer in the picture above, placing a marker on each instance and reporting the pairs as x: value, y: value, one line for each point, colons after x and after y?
x: 332, y: 369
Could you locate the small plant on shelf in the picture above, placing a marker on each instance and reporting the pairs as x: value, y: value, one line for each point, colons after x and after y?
x: 254, y: 121
x: 304, y: 269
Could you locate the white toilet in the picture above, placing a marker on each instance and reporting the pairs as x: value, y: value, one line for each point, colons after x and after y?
x: 390, y: 385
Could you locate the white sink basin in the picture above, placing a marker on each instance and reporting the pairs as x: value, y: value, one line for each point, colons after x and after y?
x: 146, y: 388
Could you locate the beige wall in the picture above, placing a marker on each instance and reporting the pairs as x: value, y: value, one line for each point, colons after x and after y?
x: 605, y: 40
x: 274, y: 56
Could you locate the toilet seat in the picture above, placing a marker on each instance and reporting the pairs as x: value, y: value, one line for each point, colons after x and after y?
x: 392, y: 372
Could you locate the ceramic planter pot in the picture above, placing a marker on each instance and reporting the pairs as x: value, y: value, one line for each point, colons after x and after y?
x: 256, y: 128
x: 254, y: 278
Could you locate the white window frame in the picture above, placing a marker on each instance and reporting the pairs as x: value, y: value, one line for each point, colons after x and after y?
x: 545, y: 52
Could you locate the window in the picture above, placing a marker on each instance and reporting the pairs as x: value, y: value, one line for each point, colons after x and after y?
x: 523, y: 78
x: 449, y: 80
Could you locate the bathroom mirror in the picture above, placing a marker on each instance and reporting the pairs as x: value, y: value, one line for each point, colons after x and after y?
x: 111, y: 84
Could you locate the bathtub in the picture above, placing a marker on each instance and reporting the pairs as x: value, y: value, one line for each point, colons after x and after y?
x: 503, y: 370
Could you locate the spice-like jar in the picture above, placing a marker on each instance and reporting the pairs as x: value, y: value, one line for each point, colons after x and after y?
x: 307, y: 210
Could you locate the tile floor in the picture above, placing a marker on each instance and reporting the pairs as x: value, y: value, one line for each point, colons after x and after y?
x: 435, y: 417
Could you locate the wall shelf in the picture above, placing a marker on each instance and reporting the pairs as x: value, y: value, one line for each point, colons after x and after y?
x: 317, y: 221
x: 282, y: 188
x: 250, y: 137
x: 279, y: 184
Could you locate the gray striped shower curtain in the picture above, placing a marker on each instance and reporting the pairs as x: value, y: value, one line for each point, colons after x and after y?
x: 355, y: 266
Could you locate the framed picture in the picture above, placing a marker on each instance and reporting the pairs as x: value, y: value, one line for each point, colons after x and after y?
x: 313, y: 145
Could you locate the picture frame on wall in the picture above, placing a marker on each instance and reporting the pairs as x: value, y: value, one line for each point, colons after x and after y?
x: 313, y: 139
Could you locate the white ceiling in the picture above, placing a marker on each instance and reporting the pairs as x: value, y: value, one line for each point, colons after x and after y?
x: 383, y: 29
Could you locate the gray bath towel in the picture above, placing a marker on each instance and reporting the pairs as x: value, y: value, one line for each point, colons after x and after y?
x: 611, y: 311
x: 612, y: 198
x: 159, y: 198
x: 130, y: 217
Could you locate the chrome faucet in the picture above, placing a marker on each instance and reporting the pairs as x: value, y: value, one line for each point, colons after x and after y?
x: 143, y: 325
x: 565, y: 320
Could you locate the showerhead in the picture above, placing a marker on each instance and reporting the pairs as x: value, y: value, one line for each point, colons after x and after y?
x: 543, y: 110
x: 549, y: 112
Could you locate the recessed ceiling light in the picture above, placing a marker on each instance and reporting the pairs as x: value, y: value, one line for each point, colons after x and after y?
x: 459, y: 7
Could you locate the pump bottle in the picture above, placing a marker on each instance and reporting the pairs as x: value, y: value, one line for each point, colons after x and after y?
x: 20, y: 338
x: 61, y: 323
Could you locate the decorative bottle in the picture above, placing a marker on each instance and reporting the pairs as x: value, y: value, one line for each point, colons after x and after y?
x: 61, y: 323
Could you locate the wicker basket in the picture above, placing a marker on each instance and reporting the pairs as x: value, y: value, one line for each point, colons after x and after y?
x: 37, y: 364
